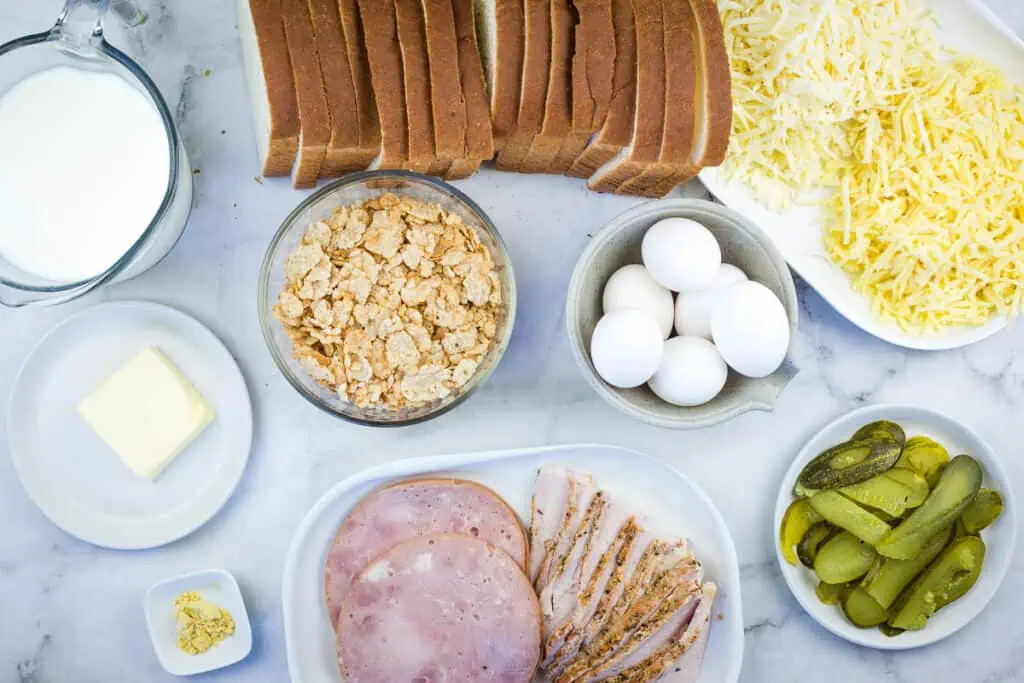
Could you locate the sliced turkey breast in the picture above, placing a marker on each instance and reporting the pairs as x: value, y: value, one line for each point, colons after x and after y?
x: 551, y: 493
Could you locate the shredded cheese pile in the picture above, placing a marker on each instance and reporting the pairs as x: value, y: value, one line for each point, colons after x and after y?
x: 921, y: 154
x: 801, y: 71
x: 929, y: 219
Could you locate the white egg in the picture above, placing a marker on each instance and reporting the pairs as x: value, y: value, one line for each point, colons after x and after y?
x: 691, y: 373
x: 681, y: 254
x: 626, y: 347
x: 750, y: 328
x: 693, y: 309
x: 633, y: 287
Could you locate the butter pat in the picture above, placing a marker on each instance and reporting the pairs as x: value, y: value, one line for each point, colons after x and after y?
x: 147, y: 412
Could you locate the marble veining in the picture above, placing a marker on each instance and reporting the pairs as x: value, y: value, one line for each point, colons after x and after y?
x: 73, y: 613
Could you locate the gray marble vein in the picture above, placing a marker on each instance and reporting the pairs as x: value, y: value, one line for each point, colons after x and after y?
x: 73, y: 613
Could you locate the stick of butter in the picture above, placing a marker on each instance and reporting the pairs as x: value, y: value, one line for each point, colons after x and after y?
x: 148, y: 412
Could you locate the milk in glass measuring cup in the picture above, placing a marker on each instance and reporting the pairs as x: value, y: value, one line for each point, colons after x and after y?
x: 95, y: 186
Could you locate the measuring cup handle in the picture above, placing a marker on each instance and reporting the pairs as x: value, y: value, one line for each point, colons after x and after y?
x: 80, y: 24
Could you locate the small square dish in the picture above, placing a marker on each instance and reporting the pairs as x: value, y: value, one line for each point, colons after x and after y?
x: 216, y: 586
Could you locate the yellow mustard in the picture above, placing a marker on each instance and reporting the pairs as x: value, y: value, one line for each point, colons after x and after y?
x: 201, y: 624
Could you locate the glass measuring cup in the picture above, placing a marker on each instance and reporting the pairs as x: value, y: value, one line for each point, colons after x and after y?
x: 76, y: 40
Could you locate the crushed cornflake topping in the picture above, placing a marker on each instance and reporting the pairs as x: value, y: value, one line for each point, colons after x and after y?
x: 391, y: 302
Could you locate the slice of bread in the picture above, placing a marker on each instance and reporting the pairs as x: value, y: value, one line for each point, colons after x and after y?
x: 500, y: 31
x: 355, y: 48
x: 678, y: 139
x: 649, y: 122
x: 479, y: 140
x: 593, y: 69
x: 314, y: 114
x: 412, y: 37
x: 447, y: 103
x: 617, y: 129
x: 558, y: 102
x: 268, y: 71
x: 344, y: 151
x: 533, y: 91
x: 713, y: 96
x: 380, y: 32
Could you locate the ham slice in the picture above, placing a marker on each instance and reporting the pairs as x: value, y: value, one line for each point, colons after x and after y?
x: 440, y: 608
x: 411, y: 509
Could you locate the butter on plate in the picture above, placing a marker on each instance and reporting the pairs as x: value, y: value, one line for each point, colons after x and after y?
x: 148, y: 412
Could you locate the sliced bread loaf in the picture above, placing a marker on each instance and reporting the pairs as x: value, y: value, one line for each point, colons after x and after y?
x: 446, y: 100
x: 412, y: 37
x: 593, y: 69
x: 384, y: 54
x: 344, y: 151
x: 617, y: 129
x: 534, y: 87
x: 649, y: 123
x: 479, y: 140
x: 675, y: 162
x: 355, y: 48
x: 558, y: 102
x: 500, y: 31
x: 314, y: 114
x: 713, y: 95
x: 268, y: 71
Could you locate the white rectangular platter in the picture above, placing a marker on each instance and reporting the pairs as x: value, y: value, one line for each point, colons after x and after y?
x: 671, y: 503
x: 966, y: 26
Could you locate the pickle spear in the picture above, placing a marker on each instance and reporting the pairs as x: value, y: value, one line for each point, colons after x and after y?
x: 881, y: 428
x: 848, y: 463
x: 925, y: 456
x: 893, y: 492
x: 807, y: 548
x: 948, y: 579
x: 862, y: 610
x: 957, y: 487
x: 983, y: 510
x: 844, y: 513
x: 893, y: 576
x: 830, y: 593
x: 799, y: 518
x: 843, y: 559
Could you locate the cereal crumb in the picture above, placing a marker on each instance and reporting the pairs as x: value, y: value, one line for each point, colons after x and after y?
x: 390, y: 302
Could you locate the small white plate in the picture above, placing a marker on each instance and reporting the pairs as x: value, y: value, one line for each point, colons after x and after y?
x: 216, y: 586
x: 999, y: 538
x: 69, y: 471
x: 671, y: 503
x: 964, y: 25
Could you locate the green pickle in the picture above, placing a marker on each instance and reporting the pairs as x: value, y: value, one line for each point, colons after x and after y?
x: 893, y: 576
x: 831, y: 593
x: 799, y: 518
x: 843, y: 559
x: 862, y: 610
x: 957, y: 487
x: 848, y: 463
x: 883, y: 429
x: 844, y: 513
x: 807, y: 548
x: 983, y: 510
x: 893, y: 492
x: 925, y: 456
x: 945, y: 581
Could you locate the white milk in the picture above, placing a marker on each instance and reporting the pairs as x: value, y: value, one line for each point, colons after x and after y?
x: 84, y: 166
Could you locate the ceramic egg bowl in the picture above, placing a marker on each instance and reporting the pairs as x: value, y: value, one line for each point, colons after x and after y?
x: 618, y: 244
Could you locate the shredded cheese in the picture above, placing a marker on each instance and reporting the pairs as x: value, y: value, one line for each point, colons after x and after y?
x: 930, y: 220
x: 801, y: 71
x: 920, y: 153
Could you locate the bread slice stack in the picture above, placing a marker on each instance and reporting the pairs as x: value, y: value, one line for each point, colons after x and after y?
x: 633, y: 95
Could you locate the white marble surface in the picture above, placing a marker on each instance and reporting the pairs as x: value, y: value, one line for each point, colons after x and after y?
x: 72, y: 612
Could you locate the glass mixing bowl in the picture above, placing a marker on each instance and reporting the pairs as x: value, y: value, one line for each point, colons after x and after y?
x: 320, y: 205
